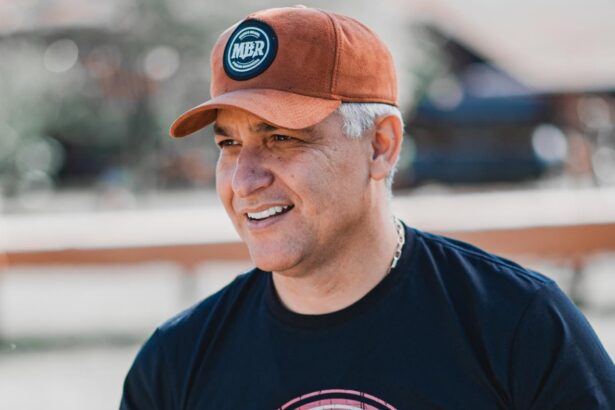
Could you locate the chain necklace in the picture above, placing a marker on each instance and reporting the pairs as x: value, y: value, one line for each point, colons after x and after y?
x: 401, y: 239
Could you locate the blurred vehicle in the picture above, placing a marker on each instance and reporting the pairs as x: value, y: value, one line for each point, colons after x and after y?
x: 486, y: 140
x: 474, y: 123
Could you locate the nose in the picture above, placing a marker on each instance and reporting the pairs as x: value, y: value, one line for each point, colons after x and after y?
x: 251, y: 172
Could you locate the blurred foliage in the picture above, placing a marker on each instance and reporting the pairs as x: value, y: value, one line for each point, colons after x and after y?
x: 99, y: 97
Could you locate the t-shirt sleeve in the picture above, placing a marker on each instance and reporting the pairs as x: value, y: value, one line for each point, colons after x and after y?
x: 144, y: 386
x: 557, y: 361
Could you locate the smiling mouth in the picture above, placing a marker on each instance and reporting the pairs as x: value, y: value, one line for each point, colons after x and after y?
x: 268, y: 213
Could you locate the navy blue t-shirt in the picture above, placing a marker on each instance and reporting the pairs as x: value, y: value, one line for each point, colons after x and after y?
x: 451, y: 327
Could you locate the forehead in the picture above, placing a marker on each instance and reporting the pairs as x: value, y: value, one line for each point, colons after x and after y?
x: 228, y: 120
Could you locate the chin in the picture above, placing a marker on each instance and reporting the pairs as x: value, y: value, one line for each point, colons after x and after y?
x: 273, y: 253
x: 272, y: 261
x: 268, y: 265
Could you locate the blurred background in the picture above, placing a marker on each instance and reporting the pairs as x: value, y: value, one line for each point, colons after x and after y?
x: 108, y: 226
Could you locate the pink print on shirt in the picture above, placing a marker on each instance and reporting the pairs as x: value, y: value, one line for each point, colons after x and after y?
x: 337, y: 399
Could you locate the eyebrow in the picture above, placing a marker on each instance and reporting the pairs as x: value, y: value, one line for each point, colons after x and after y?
x: 264, y: 127
x: 260, y: 127
x: 218, y: 130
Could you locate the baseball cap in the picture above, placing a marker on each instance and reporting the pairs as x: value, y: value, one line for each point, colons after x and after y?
x: 292, y: 67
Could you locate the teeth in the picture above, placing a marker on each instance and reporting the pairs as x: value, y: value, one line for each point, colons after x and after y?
x: 274, y: 210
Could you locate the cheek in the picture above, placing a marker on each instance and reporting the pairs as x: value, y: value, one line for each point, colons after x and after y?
x: 224, y: 175
x: 315, y: 179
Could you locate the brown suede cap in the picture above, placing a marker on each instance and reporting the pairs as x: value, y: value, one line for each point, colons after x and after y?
x: 293, y: 67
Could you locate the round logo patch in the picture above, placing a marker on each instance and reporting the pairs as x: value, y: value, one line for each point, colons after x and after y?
x: 250, y: 50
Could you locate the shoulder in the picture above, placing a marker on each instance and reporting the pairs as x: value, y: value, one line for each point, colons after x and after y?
x: 540, y: 346
x: 460, y: 261
x: 195, y: 327
x: 163, y: 364
x: 202, y: 314
x: 485, y: 294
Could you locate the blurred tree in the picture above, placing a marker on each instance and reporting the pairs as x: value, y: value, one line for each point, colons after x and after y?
x: 107, y: 94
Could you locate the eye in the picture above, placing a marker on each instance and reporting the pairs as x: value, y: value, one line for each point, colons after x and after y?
x: 281, y: 138
x: 227, y: 143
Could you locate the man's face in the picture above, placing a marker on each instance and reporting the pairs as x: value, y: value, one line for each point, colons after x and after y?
x: 295, y: 197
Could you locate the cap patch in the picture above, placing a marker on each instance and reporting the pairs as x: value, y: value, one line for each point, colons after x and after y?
x: 250, y: 50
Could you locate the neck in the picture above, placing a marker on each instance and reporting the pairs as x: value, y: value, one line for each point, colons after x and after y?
x: 346, y: 277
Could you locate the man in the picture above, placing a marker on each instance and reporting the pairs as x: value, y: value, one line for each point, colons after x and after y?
x: 347, y: 308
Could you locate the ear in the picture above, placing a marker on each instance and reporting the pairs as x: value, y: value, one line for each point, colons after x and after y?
x: 386, y: 144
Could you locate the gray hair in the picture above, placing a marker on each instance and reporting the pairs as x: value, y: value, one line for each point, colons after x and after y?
x: 361, y: 117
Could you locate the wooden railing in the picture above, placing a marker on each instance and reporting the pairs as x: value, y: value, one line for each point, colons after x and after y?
x: 566, y: 225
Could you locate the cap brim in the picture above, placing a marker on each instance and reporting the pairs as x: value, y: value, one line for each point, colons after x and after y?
x: 278, y: 108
